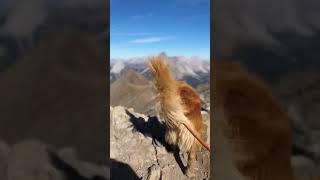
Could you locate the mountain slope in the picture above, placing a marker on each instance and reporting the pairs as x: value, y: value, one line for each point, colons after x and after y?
x: 132, y: 90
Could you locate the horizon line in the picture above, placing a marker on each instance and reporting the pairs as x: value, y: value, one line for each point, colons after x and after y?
x: 155, y: 54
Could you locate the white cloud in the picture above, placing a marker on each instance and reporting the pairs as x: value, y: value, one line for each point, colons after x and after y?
x: 151, y: 39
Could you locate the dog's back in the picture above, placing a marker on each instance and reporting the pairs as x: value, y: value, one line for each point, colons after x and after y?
x: 192, y: 106
x: 179, y: 102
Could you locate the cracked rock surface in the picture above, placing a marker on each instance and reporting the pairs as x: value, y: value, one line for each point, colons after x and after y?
x: 137, y: 140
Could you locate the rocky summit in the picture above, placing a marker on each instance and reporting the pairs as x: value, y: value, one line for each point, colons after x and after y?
x: 137, y: 142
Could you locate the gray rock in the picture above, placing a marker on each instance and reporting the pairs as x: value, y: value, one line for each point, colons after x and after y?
x: 135, y: 139
x: 154, y: 173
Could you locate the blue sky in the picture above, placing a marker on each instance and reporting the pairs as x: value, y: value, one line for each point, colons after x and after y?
x: 144, y: 27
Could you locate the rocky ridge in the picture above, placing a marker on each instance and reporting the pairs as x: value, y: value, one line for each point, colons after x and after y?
x: 137, y: 140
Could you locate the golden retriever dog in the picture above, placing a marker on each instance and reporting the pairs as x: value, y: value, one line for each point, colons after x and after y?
x: 180, y: 107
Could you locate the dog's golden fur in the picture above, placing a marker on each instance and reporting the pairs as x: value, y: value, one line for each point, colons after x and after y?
x: 251, y: 129
x: 178, y: 104
x: 252, y: 123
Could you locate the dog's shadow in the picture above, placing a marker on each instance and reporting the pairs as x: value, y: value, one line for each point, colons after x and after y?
x: 156, y: 130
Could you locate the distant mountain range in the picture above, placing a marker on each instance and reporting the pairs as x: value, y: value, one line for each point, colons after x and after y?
x: 131, y: 84
x: 194, y: 70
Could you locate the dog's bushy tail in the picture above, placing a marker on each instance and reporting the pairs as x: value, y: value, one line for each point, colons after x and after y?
x: 163, y: 79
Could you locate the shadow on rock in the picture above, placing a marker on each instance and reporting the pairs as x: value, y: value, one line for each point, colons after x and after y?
x: 152, y: 128
x: 156, y: 130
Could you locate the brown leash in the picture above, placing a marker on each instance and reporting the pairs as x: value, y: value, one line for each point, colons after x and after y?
x: 204, y: 144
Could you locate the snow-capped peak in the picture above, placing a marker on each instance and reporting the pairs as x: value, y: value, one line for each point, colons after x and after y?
x: 117, y: 67
x: 182, y: 67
